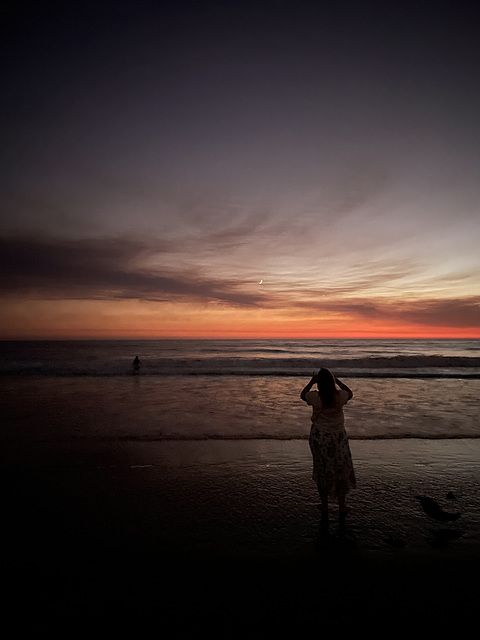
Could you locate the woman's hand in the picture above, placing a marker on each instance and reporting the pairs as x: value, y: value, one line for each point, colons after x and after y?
x: 309, y: 386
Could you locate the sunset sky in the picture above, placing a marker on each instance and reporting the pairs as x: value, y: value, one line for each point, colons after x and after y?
x: 245, y: 169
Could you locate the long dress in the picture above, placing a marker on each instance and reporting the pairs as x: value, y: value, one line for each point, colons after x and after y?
x: 333, y: 470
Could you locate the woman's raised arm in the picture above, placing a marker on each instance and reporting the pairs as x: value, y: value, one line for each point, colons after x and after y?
x: 308, y: 387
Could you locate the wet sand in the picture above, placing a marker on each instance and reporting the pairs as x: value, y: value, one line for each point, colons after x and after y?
x: 204, y: 532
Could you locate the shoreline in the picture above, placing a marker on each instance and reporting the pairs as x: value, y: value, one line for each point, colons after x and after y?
x: 115, y: 524
x: 273, y: 473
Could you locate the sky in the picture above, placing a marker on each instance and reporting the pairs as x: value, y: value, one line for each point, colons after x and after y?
x: 262, y: 168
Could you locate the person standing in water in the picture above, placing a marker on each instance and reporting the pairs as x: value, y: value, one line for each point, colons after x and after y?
x: 136, y: 366
x: 333, y: 470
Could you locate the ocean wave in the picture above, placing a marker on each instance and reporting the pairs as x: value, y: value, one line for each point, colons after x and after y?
x: 239, y: 437
x: 362, y: 367
x: 286, y: 437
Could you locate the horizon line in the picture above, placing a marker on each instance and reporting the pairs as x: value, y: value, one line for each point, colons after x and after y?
x: 243, y: 337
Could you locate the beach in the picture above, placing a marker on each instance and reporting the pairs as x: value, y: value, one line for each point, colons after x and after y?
x: 184, y: 494
x: 226, y: 528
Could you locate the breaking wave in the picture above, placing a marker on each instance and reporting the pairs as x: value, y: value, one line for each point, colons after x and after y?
x: 365, y: 367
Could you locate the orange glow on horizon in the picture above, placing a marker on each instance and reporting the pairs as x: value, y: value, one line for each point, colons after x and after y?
x: 129, y: 319
x: 136, y: 335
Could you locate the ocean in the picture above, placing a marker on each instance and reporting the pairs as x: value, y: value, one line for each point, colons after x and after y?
x: 234, y: 389
x: 192, y: 479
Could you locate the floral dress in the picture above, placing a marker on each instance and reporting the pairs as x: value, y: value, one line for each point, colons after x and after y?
x: 333, y: 470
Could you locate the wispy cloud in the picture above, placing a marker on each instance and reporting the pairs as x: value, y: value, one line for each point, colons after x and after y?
x: 451, y: 312
x: 460, y: 312
x: 113, y: 269
x: 105, y: 269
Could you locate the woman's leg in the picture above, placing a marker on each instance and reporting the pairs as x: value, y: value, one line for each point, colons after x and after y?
x: 323, y: 500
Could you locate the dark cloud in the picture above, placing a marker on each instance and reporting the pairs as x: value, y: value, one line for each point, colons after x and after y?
x: 452, y: 312
x: 121, y: 268
x: 461, y: 312
x: 103, y: 269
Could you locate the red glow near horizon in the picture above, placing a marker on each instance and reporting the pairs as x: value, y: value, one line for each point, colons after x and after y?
x: 134, y: 320
x: 444, y: 333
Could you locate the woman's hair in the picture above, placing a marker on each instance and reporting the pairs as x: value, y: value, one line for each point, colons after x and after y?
x: 326, y: 387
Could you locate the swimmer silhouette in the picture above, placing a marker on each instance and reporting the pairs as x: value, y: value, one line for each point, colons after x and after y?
x: 136, y: 366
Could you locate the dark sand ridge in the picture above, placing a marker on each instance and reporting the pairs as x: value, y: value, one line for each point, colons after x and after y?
x: 213, y: 530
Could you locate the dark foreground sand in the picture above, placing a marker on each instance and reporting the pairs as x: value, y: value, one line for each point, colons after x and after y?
x: 221, y: 535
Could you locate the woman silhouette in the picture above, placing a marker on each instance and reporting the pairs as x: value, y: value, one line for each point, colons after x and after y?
x: 332, y: 461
